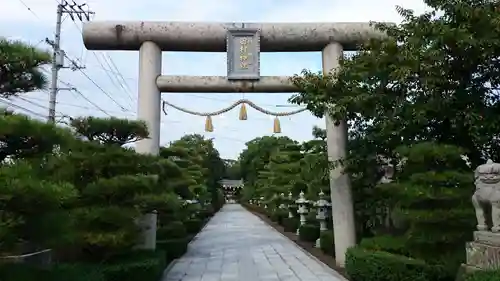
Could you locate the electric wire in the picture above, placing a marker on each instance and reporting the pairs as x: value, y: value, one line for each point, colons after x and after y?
x: 37, y: 114
x: 81, y: 70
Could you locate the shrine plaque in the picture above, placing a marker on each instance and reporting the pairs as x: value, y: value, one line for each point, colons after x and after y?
x: 243, y: 54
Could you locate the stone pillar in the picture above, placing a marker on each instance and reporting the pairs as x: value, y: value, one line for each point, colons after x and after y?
x: 340, y: 186
x: 149, y: 101
x: 148, y: 225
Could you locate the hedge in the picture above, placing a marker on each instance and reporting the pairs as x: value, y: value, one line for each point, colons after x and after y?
x: 386, y: 243
x: 60, y: 272
x: 368, y: 265
x: 173, y: 248
x: 172, y: 230
x: 487, y: 275
x: 291, y: 224
x: 449, y: 261
x: 309, y: 232
x: 206, y: 213
x: 279, y: 215
x: 139, y: 265
x: 327, y: 242
x: 193, y: 226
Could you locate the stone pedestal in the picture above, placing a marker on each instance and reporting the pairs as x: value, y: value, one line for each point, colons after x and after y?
x: 484, y: 252
x: 148, y: 224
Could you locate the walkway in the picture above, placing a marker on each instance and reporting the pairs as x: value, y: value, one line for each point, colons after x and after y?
x: 238, y: 246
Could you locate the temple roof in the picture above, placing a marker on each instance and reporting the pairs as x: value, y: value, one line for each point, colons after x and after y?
x: 227, y: 182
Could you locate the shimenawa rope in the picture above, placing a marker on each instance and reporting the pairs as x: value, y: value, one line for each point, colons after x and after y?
x: 243, y: 113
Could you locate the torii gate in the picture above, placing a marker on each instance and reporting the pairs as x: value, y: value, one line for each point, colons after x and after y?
x: 243, y: 42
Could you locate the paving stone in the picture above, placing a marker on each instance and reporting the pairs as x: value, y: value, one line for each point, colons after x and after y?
x: 238, y: 246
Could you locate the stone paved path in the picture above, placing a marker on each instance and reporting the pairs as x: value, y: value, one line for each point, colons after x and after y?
x: 238, y: 246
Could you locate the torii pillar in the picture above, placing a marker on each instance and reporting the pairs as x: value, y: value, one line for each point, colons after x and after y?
x: 151, y: 38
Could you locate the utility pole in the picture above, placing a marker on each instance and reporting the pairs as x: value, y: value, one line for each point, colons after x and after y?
x: 59, y: 55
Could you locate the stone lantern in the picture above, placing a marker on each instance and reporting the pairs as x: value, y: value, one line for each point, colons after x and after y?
x: 290, y: 205
x: 301, y: 203
x: 322, y: 206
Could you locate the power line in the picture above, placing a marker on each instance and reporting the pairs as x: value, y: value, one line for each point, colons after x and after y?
x: 121, y: 84
x: 97, y: 85
x: 78, y: 105
x: 102, y: 90
x: 75, y: 90
x: 29, y: 9
x: 37, y: 114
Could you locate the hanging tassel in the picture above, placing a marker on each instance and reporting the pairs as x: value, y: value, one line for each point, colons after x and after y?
x: 243, y: 112
x: 209, y: 127
x: 277, y: 126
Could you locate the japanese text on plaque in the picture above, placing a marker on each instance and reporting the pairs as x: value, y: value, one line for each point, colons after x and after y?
x: 245, y: 54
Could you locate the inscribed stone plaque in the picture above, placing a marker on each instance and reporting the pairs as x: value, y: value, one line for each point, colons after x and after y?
x: 243, y: 54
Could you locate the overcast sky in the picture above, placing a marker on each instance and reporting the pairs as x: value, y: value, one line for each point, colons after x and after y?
x: 100, y: 79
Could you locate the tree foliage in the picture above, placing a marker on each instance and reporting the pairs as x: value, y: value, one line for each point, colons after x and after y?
x: 88, y: 193
x: 278, y: 165
x: 434, y: 78
x: 429, y: 85
x: 256, y: 156
x: 19, y: 68
x: 79, y: 191
x: 111, y: 130
x: 232, y: 169
x: 202, y: 162
x: 21, y: 137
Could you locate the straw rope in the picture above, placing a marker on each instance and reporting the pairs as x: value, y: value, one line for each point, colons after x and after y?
x: 229, y: 108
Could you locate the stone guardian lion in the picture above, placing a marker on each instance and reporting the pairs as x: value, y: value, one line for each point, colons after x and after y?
x: 486, y: 198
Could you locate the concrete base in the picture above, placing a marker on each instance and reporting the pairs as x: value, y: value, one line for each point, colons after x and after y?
x: 318, y: 243
x: 487, y: 237
x: 482, y: 255
x: 465, y: 270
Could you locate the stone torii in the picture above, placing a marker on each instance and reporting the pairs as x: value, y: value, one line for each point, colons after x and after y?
x: 243, y: 42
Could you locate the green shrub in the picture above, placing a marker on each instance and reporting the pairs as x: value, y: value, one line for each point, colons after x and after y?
x: 175, y: 229
x: 488, y: 275
x: 309, y: 232
x: 266, y: 212
x: 274, y: 216
x: 75, y: 272
x: 193, y: 226
x: 279, y: 215
x: 327, y: 242
x: 367, y: 265
x: 291, y: 224
x: 311, y: 218
x: 386, y: 243
x: 60, y: 272
x: 138, y: 265
x: 329, y: 223
x: 174, y: 248
x: 206, y: 212
x: 398, y: 245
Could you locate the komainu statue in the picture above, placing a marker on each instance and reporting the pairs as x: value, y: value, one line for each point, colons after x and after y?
x: 486, y: 198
